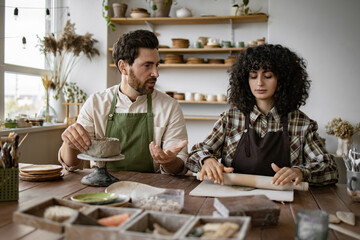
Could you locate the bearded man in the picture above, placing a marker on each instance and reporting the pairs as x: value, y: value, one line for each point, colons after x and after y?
x: 145, y: 120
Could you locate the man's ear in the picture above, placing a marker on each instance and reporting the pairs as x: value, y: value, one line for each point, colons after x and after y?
x: 122, y: 65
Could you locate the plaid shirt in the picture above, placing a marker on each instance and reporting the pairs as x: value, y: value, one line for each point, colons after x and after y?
x: 307, y: 149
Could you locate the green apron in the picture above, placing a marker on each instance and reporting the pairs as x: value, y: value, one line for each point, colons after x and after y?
x: 135, y: 132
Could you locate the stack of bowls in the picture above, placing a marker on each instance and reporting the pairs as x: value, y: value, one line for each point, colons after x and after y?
x: 180, y: 43
x: 173, y: 58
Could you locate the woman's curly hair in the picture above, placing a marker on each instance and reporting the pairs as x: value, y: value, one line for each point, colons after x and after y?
x: 292, y: 79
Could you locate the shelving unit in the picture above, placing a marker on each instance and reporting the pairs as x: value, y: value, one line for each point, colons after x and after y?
x: 152, y: 22
x: 187, y: 66
x: 202, y: 102
x: 191, y: 20
x: 201, y: 118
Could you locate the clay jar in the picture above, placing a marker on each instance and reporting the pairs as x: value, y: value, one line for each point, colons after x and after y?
x: 119, y: 9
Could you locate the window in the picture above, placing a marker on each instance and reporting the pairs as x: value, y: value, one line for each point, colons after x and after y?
x: 21, y: 90
x: 22, y: 94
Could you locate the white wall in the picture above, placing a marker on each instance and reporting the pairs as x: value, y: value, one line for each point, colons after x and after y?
x: 324, y: 32
x: 90, y: 75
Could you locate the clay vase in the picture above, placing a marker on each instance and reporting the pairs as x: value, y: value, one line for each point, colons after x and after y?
x: 163, y: 9
x: 119, y: 9
x: 344, y: 145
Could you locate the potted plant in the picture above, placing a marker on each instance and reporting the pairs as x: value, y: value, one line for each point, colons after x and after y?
x: 161, y: 7
x: 344, y: 131
x: 73, y: 93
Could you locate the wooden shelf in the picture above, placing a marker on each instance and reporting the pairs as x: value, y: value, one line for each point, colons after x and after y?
x: 191, y: 20
x: 184, y: 65
x: 202, y: 102
x: 197, y: 50
x: 201, y: 118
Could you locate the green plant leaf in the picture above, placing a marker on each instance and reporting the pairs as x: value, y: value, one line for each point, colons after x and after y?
x: 246, y: 2
x: 154, y: 7
x: 106, y: 7
x: 247, y: 11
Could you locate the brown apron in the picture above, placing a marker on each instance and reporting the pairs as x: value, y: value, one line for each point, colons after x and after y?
x: 254, y: 154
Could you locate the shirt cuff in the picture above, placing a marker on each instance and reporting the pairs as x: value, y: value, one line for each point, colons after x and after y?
x: 68, y: 168
x: 306, y: 173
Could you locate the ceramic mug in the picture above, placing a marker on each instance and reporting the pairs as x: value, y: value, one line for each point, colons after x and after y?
x: 189, y: 96
x: 199, y: 97
x: 353, y: 185
x: 197, y: 44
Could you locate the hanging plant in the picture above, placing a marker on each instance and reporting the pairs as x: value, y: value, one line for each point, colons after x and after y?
x: 105, y: 14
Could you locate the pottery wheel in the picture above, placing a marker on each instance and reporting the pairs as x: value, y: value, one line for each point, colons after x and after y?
x: 100, y: 177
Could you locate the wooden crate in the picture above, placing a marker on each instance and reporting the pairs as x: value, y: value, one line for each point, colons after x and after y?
x: 244, y: 223
x: 78, y: 231
x: 34, y: 215
x: 136, y: 229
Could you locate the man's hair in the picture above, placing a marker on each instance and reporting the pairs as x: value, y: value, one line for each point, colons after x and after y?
x: 127, y: 46
x: 292, y: 79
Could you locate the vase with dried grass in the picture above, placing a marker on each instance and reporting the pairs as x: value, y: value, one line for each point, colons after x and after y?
x: 63, y: 53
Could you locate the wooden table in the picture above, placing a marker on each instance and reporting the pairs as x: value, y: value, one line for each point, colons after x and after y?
x: 330, y: 199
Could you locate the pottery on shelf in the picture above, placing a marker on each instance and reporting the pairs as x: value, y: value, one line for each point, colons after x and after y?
x: 119, y: 9
x: 162, y: 8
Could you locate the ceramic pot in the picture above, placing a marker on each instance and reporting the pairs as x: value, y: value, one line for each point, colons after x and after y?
x: 183, y: 12
x: 119, y: 9
x: 163, y: 9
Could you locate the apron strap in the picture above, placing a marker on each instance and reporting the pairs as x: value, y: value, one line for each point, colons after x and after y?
x: 284, y: 120
x: 150, y: 118
x: 111, y: 113
x: 247, y: 137
x: 149, y: 103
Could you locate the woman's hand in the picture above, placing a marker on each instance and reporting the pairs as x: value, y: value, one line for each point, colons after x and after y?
x: 214, y: 170
x: 285, y: 175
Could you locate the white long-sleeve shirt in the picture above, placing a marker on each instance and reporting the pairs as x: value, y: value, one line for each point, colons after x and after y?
x: 169, y: 122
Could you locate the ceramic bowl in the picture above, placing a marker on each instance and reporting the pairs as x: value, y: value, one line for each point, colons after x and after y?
x: 139, y: 15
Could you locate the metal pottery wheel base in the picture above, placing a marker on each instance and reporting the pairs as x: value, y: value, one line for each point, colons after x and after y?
x: 100, y: 177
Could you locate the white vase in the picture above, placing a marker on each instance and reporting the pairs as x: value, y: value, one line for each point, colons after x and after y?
x: 58, y: 106
x: 344, y: 145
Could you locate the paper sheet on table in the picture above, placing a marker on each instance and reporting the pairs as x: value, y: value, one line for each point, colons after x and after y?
x: 209, y: 189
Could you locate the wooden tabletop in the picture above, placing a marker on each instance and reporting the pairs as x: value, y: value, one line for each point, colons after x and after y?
x: 331, y: 199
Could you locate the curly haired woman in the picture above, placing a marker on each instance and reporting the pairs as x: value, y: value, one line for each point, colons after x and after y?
x: 264, y: 132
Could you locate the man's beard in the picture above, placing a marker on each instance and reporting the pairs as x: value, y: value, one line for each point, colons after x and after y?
x: 136, y: 84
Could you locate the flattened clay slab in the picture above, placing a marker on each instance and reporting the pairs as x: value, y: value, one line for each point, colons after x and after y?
x: 346, y: 217
x: 333, y: 219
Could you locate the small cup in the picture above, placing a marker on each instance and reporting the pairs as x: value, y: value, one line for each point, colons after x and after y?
x: 189, y: 96
x: 240, y: 44
x: 310, y: 223
x: 211, y: 98
x: 199, y: 97
x: 197, y: 44
x: 221, y: 97
x: 353, y: 185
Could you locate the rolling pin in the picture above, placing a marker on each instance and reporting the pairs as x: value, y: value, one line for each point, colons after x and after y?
x: 257, y: 181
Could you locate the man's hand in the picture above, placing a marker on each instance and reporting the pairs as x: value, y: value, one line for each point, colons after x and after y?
x: 214, y: 170
x: 285, y: 175
x: 163, y: 157
x: 76, y: 137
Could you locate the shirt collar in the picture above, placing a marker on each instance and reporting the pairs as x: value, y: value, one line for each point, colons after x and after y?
x: 139, y: 99
x: 256, y: 113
